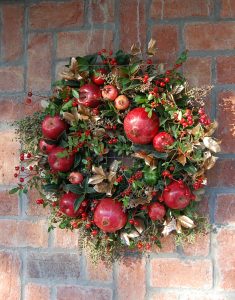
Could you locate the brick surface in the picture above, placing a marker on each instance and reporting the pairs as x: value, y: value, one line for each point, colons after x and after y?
x: 99, y: 272
x: 131, y: 272
x: 226, y: 119
x: 102, y: 11
x: 52, y: 15
x: 59, y: 266
x: 39, y: 62
x: 65, y: 238
x: 33, y: 209
x: 9, y: 147
x: 83, y: 42
x: 198, y: 36
x: 132, y: 24
x: 83, y: 293
x: 226, y: 259
x: 23, y: 234
x: 200, y: 247
x: 227, y: 9
x: 12, y: 79
x: 225, y: 167
x: 12, y: 31
x: 10, y: 265
x: 163, y: 296
x: 197, y: 70
x: 225, y: 209
x: 168, y: 245
x: 37, y: 292
x: 225, y: 69
x: 8, y: 204
x: 173, y: 272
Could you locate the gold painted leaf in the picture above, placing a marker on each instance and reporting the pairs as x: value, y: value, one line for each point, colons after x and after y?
x: 186, y: 222
x: 152, y: 49
x: 177, y: 89
x: 211, y: 144
x: 182, y: 159
x: 96, y: 179
x: 169, y: 226
x: 68, y: 117
x: 98, y: 171
x: 211, y: 128
x: 210, y: 162
x: 135, y: 50
x: 196, y: 130
x: 148, y: 159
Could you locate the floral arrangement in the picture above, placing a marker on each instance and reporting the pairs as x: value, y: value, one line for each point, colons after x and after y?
x: 119, y: 152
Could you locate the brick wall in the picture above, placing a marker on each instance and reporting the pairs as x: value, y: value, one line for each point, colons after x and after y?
x: 37, y: 38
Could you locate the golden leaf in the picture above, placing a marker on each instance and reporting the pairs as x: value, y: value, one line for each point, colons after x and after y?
x: 96, y: 179
x: 135, y: 50
x: 169, y: 226
x: 177, y: 89
x: 178, y: 227
x: 182, y: 159
x: 127, y: 236
x: 148, y: 159
x: 186, y: 222
x: 72, y: 72
x: 211, y: 144
x: 196, y: 130
x: 99, y: 171
x: 152, y: 49
x: 198, y: 194
x: 211, y: 128
x: 209, y: 160
x: 68, y: 117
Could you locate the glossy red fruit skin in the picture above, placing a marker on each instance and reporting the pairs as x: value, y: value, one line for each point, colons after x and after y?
x: 109, y: 92
x: 139, y: 128
x: 156, y: 211
x: 177, y: 195
x: 52, y: 127
x: 45, y: 147
x: 97, y: 78
x: 109, y: 215
x: 162, y: 140
x: 89, y: 95
x: 66, y: 204
x: 76, y: 177
x: 63, y: 164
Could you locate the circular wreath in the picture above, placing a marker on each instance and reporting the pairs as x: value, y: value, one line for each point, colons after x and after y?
x: 119, y: 151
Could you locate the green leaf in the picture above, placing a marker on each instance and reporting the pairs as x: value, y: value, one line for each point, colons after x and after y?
x: 77, y: 160
x: 75, y: 93
x: 78, y: 201
x: 67, y: 105
x: 50, y: 187
x: 134, y: 68
x: 139, y: 99
x: 14, y: 190
x: 74, y: 188
x: 183, y: 57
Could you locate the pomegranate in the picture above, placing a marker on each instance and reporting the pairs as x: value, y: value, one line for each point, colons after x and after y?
x: 156, y: 211
x: 121, y: 102
x: 139, y: 128
x: 45, y: 147
x: 66, y: 204
x: 76, y: 177
x: 89, y: 95
x: 109, y: 92
x: 177, y: 195
x: 61, y: 164
x: 162, y: 140
x: 109, y: 215
x: 52, y: 127
x: 97, y: 77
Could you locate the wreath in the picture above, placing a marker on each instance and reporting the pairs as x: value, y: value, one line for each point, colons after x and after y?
x: 119, y: 152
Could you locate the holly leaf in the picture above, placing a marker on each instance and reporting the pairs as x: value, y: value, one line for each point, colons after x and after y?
x: 14, y: 190
x: 74, y: 188
x: 77, y: 202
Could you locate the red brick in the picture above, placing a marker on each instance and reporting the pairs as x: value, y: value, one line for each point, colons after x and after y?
x: 223, y: 174
x: 131, y: 272
x: 227, y: 9
x: 199, y: 247
x: 226, y: 120
x: 53, y: 15
x: 9, y: 148
x: 102, y: 11
x: 180, y: 8
x: 12, y: 32
x: 164, y: 296
x: 65, y: 238
x: 199, y: 36
x: 39, y: 62
x: 167, y: 42
x: 83, y: 293
x: 225, y: 69
x: 12, y: 79
x: 23, y: 234
x: 168, y: 245
x: 132, y: 24
x: 8, y: 204
x: 225, y: 259
x: 99, y: 272
x: 33, y: 209
x: 10, y: 265
x: 83, y: 42
x: 173, y: 273
x: 197, y: 70
x: 37, y: 292
x: 225, y: 209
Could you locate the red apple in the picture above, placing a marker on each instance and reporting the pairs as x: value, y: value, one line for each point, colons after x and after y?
x: 89, y: 95
x: 109, y: 92
x: 121, y: 102
x: 52, y: 127
x: 45, y: 147
x: 97, y: 77
x: 162, y: 140
x: 66, y: 204
x: 61, y: 164
x: 156, y: 211
x: 76, y: 177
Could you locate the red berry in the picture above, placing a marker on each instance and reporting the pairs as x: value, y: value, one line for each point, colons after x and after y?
x: 136, y: 223
x: 54, y: 204
x: 94, y: 232
x: 131, y: 221
x: 21, y: 179
x: 17, y: 168
x: 15, y: 175
x: 88, y: 225
x: 139, y: 245
x: 29, y: 155
x: 162, y: 84
x: 39, y: 201
x: 172, y: 168
x: 84, y: 203
x: 22, y: 169
x: 166, y: 79
x: 165, y: 173
x: 31, y: 168
x: 148, y: 246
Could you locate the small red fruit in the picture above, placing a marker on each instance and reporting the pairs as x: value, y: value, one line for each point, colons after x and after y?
x: 76, y: 177
x: 52, y: 127
x: 121, y: 102
x: 156, y: 211
x: 61, y: 164
x: 45, y: 147
x: 177, y: 195
x: 139, y: 128
x: 66, y: 204
x: 109, y: 215
x: 162, y: 140
x: 97, y: 77
x: 109, y: 92
x: 89, y: 95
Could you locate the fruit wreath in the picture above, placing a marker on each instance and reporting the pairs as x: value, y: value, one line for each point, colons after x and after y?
x: 119, y: 152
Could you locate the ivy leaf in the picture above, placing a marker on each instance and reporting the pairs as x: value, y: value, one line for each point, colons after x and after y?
x: 78, y: 201
x: 14, y: 190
